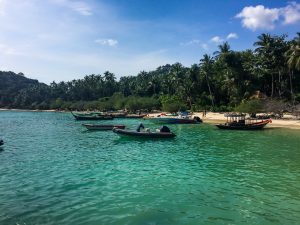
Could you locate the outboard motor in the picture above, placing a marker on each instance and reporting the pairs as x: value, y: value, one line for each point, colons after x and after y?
x: 165, y: 129
x: 197, y: 118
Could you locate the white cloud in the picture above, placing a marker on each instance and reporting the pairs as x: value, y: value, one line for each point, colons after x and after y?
x: 192, y: 42
x: 232, y: 36
x: 258, y: 17
x: 109, y: 42
x: 204, y: 46
x: 78, y: 6
x: 82, y: 8
x: 216, y: 39
x: 291, y: 13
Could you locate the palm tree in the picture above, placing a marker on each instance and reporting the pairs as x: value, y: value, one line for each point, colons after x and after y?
x: 293, y: 54
x: 265, y: 50
x: 223, y: 49
x: 293, y: 60
x: 207, y: 63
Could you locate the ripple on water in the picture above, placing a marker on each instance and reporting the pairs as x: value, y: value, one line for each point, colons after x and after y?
x: 55, y: 172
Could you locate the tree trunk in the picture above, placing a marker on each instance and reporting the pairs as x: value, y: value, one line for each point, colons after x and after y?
x: 291, y: 85
x: 279, y: 85
x: 211, y: 96
x: 272, y: 90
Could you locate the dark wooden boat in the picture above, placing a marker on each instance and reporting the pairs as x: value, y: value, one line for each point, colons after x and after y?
x: 176, y: 120
x: 134, y: 116
x: 93, y: 116
x: 102, y: 126
x: 239, y: 122
x: 119, y: 115
x: 144, y: 134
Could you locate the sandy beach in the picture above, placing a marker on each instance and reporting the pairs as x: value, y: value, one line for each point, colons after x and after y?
x: 286, y: 122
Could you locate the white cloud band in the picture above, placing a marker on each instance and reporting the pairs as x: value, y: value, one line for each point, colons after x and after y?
x: 108, y: 42
x: 260, y: 17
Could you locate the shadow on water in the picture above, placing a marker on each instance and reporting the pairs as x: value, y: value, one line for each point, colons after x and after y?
x: 128, y: 139
x: 1, y: 148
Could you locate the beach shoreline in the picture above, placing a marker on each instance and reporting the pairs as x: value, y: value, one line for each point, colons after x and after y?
x: 210, y: 117
x: 285, y: 122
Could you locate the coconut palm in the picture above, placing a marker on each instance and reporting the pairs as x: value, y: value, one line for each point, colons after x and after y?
x: 223, y: 49
x: 265, y: 51
x: 206, y: 64
x: 293, y: 60
x: 293, y: 54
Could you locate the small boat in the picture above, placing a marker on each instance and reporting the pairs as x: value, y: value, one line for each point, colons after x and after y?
x: 145, y: 134
x: 92, y: 116
x: 134, y: 116
x: 119, y: 115
x: 102, y: 126
x: 239, y: 122
x: 176, y: 120
x: 164, y: 132
x: 1, y: 142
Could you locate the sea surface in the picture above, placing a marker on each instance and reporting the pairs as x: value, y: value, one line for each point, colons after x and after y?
x: 54, y: 171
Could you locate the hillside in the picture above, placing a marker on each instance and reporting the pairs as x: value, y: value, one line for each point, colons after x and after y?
x: 10, y: 86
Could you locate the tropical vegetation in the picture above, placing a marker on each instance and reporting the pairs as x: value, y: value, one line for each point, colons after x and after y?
x: 223, y: 81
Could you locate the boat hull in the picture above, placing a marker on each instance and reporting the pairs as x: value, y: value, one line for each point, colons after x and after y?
x: 131, y: 133
x: 102, y: 127
x: 92, y: 117
x: 134, y: 116
x: 254, y: 126
x: 174, y: 121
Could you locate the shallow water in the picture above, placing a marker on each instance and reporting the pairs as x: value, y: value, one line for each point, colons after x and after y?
x: 53, y: 171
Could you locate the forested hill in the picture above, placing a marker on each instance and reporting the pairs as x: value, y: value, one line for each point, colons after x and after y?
x: 219, y: 82
x: 11, y: 85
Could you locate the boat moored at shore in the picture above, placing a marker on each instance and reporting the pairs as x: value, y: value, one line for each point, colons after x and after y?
x: 92, y: 116
x: 240, y: 122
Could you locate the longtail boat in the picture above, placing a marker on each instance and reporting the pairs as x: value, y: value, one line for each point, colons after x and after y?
x: 163, y: 132
x: 144, y: 134
x: 239, y: 122
x: 102, y: 126
x: 175, y: 120
x: 92, y: 116
x: 135, y: 116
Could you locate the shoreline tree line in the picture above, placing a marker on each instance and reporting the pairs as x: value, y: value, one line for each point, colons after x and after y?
x: 224, y: 81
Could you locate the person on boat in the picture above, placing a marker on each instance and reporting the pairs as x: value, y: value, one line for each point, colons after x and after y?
x: 140, y: 126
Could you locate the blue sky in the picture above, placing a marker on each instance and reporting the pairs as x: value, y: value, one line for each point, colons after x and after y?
x: 68, y: 39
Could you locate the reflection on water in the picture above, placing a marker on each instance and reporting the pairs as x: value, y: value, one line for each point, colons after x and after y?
x: 53, y: 171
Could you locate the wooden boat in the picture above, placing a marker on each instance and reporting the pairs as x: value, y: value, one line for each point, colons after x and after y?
x: 176, y: 120
x: 93, y: 116
x: 1, y: 142
x: 119, y: 115
x: 144, y: 134
x: 102, y: 126
x: 134, y: 116
x: 239, y: 122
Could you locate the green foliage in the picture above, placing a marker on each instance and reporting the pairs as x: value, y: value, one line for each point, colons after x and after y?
x: 219, y: 83
x: 172, y: 103
x: 251, y: 106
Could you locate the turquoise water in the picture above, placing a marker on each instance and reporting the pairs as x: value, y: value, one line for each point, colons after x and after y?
x: 53, y: 171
